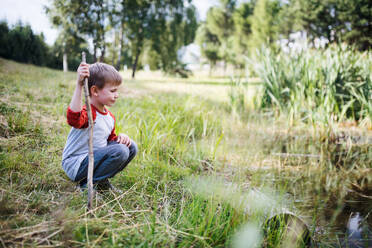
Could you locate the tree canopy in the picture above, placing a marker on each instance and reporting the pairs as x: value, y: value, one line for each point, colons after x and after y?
x: 154, y: 26
x: 232, y: 31
x: 139, y: 32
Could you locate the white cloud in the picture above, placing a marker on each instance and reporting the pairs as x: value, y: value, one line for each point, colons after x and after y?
x: 29, y: 11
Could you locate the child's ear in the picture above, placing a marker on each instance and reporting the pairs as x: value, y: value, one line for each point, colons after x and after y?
x: 94, y: 91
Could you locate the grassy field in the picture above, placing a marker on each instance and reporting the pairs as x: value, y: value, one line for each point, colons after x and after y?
x: 207, y: 174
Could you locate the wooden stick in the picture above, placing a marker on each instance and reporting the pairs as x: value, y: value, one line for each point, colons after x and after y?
x: 91, y: 156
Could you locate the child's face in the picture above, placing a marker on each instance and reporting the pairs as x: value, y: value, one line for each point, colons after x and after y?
x: 107, y: 95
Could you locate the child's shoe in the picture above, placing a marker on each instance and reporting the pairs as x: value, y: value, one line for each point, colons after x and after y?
x: 81, y: 188
x: 105, y: 185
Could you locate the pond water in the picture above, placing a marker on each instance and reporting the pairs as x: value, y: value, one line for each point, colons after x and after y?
x: 354, y: 222
x: 339, y: 198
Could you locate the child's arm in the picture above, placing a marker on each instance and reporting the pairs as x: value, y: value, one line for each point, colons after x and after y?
x: 83, y: 72
x: 77, y: 116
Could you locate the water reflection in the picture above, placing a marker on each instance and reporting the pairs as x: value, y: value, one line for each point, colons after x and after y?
x: 357, y: 233
x: 354, y: 226
x: 355, y: 222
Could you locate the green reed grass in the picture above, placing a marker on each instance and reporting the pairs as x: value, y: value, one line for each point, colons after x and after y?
x: 317, y: 85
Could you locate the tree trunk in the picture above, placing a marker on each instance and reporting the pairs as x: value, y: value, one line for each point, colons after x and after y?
x: 95, y: 53
x: 135, y: 63
x: 65, y: 65
x: 224, y: 68
x: 120, y: 48
x: 103, y: 51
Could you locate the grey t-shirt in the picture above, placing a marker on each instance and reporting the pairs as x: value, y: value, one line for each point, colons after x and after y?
x: 76, y: 148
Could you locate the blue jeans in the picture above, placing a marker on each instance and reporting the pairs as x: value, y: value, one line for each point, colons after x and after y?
x: 108, y: 161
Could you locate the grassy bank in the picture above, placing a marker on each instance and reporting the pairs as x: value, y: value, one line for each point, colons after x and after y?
x: 39, y: 205
x: 204, y: 169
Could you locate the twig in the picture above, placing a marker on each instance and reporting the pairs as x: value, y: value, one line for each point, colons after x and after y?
x: 77, y: 242
x: 181, y: 232
x: 59, y: 244
x: 86, y: 231
x: 113, y: 213
x: 24, y: 228
x: 118, y: 197
x: 2, y: 242
x: 99, y: 238
x: 362, y: 195
x: 51, y: 235
x: 296, y: 155
x: 31, y: 233
x: 121, y: 207
x: 128, y: 227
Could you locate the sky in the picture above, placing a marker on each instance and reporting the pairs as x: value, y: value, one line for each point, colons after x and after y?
x: 32, y: 12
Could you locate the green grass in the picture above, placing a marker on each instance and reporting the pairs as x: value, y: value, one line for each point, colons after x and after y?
x: 207, y: 173
x: 325, y: 86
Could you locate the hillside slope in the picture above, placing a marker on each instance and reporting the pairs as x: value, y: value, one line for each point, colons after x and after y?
x: 40, y: 206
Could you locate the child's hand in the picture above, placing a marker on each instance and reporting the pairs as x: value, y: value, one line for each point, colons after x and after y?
x: 124, y: 139
x: 83, y: 72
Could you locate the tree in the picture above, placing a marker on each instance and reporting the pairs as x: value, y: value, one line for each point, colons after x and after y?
x: 68, y: 48
x: 85, y: 17
x: 220, y: 23
x: 314, y: 17
x: 24, y: 46
x: 116, y: 28
x: 139, y: 17
x: 336, y: 20
x: 353, y: 20
x: 4, y: 43
x: 162, y: 25
x: 242, y: 17
x: 209, y: 45
x: 178, y: 30
x: 265, y: 23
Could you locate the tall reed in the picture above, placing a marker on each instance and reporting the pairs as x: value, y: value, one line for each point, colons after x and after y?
x: 317, y: 85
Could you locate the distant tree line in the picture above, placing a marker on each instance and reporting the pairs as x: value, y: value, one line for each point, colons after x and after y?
x: 233, y: 31
x: 126, y: 32
x: 133, y: 33
x: 121, y: 32
x: 20, y: 43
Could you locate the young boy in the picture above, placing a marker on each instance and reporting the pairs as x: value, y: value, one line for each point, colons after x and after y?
x: 112, y: 152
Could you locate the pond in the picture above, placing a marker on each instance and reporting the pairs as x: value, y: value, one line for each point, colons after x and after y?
x: 329, y: 179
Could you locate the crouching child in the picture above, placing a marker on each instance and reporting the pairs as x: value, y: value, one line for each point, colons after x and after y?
x: 112, y: 152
